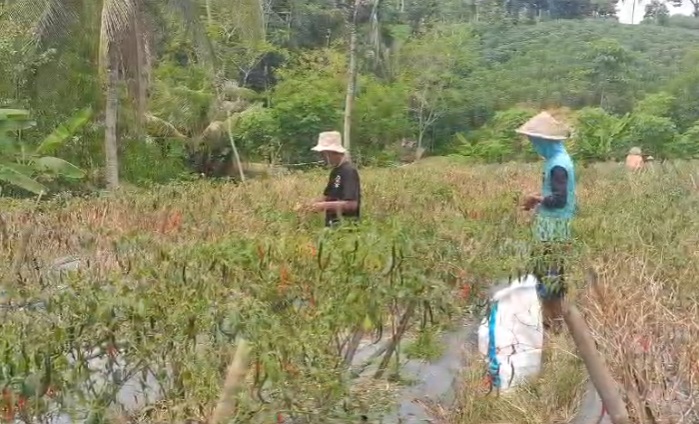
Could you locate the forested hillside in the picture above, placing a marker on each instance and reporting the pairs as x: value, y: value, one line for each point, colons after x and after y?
x: 455, y: 77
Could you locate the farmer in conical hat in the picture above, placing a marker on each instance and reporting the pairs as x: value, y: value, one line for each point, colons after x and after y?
x: 555, y: 208
x: 342, y: 196
x: 634, y: 160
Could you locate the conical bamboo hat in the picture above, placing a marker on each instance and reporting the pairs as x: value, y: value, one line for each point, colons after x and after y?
x: 545, y: 126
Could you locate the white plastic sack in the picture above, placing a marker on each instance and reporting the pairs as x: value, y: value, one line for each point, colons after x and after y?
x: 511, y: 336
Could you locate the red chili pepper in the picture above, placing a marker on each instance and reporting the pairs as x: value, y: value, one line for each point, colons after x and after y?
x: 9, y: 405
x: 283, y: 279
x: 112, y: 351
x: 8, y: 414
x: 22, y: 403
x: 465, y: 291
x: 175, y: 222
x: 310, y: 250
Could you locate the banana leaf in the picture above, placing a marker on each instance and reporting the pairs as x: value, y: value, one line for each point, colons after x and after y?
x: 14, y: 119
x: 64, y: 131
x: 13, y: 114
x: 27, y: 170
x: 20, y: 180
x: 11, y: 121
x: 58, y: 166
x: 8, y: 125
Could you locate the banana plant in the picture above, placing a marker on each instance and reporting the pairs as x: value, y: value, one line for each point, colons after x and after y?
x: 23, y: 167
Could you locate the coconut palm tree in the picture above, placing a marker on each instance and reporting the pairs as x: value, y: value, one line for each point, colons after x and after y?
x: 633, y: 8
x: 352, y: 72
x: 125, y: 33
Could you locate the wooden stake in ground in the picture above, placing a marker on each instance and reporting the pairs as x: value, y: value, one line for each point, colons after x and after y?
x: 599, y: 374
x: 395, y: 340
x: 234, y: 377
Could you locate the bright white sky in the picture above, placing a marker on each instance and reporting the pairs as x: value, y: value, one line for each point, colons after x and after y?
x: 624, y: 8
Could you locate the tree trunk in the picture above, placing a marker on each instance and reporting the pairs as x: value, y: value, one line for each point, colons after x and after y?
x: 142, y: 77
x: 352, y: 75
x: 209, y: 16
x: 111, y: 162
x: 236, y: 156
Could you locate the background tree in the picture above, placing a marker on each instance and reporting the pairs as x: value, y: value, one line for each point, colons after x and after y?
x: 124, y: 31
x: 657, y: 13
x: 694, y: 3
x: 434, y: 72
x: 351, y: 72
x: 611, y: 67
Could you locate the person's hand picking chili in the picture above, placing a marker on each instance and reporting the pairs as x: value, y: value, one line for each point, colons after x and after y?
x: 531, y: 201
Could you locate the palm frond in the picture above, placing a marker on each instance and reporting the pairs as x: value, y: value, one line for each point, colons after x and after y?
x: 49, y: 20
x: 217, y: 130
x: 250, y: 20
x: 117, y: 19
x: 190, y: 11
x: 125, y: 43
x: 160, y: 128
x: 56, y: 19
x: 136, y: 59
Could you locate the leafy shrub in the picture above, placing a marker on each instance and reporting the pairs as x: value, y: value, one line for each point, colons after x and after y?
x: 380, y: 116
x: 658, y: 104
x: 497, y: 141
x: 599, y: 135
x: 308, y: 100
x: 687, y: 145
x: 136, y: 165
x: 258, y: 134
x: 656, y: 135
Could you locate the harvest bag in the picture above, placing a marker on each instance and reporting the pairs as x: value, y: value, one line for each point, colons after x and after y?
x: 511, y: 334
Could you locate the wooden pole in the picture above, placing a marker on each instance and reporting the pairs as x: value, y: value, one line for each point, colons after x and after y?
x: 236, y: 156
x: 234, y: 377
x: 600, y: 376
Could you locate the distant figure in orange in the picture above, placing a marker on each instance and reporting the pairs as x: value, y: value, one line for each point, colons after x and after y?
x: 634, y: 160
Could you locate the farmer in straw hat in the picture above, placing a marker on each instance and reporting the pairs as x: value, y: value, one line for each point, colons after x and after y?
x: 342, y: 196
x: 555, y: 208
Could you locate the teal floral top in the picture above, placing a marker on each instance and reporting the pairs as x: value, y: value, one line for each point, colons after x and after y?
x: 550, y: 229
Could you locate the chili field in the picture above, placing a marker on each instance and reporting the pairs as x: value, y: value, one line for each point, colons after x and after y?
x: 151, y: 288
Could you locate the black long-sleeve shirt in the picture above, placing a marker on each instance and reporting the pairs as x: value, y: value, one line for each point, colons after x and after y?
x: 559, y: 189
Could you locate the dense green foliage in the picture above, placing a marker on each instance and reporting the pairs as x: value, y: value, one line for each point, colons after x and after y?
x: 456, y: 78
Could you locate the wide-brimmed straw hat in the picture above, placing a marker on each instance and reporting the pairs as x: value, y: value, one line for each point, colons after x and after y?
x: 329, y: 141
x: 635, y: 151
x: 545, y: 126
